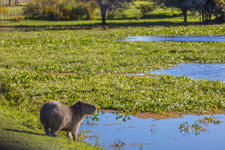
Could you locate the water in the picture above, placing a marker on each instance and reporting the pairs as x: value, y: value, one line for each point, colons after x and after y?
x: 196, y: 71
x: 137, y: 133
x: 178, y: 38
x: 141, y: 132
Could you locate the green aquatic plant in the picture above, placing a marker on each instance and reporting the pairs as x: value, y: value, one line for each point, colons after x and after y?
x: 209, y: 120
x: 197, y: 127
x: 194, y: 127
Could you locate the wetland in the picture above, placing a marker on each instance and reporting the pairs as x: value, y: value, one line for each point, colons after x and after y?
x: 68, y: 66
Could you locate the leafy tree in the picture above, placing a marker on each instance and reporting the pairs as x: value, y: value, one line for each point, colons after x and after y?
x: 220, y: 4
x: 183, y: 5
x: 207, y: 8
x: 105, y: 5
x: 16, y: 2
x: 146, y: 9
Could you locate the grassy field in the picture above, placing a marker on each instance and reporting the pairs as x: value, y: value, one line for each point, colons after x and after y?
x: 72, y: 65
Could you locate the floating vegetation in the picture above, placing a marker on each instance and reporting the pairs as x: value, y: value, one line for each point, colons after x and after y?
x: 194, y: 127
x: 209, y: 120
x: 197, y: 127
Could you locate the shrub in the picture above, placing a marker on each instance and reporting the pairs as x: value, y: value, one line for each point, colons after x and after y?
x: 90, y: 8
x: 33, y: 10
x: 19, y: 18
x: 57, y: 10
x: 146, y: 9
x: 3, y: 10
x: 77, y: 12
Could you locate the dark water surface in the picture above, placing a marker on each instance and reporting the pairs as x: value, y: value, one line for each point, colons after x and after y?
x: 178, y: 38
x: 196, y: 71
x: 164, y: 134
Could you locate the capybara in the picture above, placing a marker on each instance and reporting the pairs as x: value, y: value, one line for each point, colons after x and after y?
x: 58, y: 117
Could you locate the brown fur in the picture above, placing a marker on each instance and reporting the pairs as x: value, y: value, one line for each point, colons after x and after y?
x: 58, y: 117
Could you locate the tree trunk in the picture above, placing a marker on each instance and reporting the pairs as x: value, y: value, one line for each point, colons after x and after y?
x: 203, y: 16
x: 9, y: 2
x: 103, y: 13
x: 185, y: 14
x: 16, y: 2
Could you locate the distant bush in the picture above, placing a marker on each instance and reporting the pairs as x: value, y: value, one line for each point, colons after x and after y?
x: 3, y: 10
x: 57, y: 10
x: 33, y: 10
x: 146, y: 9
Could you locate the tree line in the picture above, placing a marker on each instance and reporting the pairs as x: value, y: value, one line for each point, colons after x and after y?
x: 207, y: 8
x: 84, y: 9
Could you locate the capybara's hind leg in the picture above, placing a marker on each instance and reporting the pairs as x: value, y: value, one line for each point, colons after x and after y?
x: 69, y: 134
x: 54, y: 130
x: 46, y: 130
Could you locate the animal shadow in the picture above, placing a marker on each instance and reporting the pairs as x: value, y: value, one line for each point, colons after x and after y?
x: 23, y: 131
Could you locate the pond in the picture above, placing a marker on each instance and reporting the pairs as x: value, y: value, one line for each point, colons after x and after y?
x: 177, y: 38
x: 181, y: 132
x: 142, y: 131
x: 196, y: 71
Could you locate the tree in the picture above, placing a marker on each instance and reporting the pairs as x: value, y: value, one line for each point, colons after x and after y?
x: 104, y: 5
x: 207, y: 8
x: 221, y: 5
x: 184, y: 5
x: 16, y: 2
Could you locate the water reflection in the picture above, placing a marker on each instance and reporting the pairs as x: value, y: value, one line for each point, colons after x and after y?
x: 178, y: 38
x: 138, y: 133
x: 196, y: 71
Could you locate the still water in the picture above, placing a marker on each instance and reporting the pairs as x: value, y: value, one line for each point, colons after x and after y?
x: 137, y: 132
x: 178, y: 38
x: 196, y: 71
x: 164, y: 134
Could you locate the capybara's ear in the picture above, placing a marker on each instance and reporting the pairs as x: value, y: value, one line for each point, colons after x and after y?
x: 72, y: 109
x: 79, y: 102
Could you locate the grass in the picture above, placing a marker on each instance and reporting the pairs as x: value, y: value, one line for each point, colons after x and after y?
x: 155, y: 20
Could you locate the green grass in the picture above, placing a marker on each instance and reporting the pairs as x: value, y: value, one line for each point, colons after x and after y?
x: 155, y: 20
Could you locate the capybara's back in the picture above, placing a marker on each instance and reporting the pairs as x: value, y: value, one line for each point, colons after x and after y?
x: 52, y: 116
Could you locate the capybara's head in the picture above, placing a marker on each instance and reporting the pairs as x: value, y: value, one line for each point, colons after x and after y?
x: 85, y: 108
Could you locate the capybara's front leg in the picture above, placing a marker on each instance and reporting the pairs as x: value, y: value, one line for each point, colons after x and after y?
x: 75, y: 131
